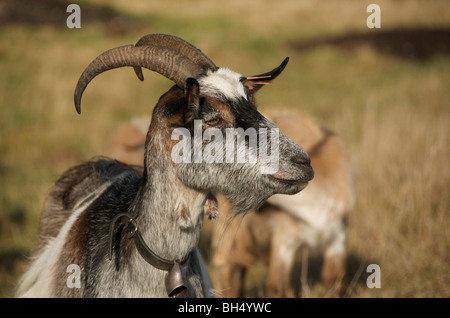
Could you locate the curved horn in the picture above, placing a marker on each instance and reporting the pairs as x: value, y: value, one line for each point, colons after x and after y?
x: 164, y: 61
x: 178, y: 45
x: 273, y: 73
x: 254, y: 83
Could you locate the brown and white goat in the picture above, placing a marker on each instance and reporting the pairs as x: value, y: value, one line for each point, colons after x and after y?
x: 160, y: 206
x: 287, y: 229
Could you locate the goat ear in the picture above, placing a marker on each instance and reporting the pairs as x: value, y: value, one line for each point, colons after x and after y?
x: 192, y: 108
x: 254, y: 83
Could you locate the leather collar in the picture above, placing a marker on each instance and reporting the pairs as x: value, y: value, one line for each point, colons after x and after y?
x: 132, y: 231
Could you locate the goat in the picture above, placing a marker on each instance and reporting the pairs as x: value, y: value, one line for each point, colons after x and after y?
x: 159, y: 206
x: 311, y: 223
x: 289, y: 229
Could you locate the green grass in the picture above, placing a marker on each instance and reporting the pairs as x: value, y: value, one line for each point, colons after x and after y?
x: 392, y: 113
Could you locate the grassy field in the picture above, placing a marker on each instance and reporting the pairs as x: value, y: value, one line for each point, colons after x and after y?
x: 390, y: 106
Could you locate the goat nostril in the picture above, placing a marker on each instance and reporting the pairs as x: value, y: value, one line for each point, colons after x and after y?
x: 301, y: 160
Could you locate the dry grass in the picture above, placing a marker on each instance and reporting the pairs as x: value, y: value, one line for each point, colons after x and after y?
x: 393, y: 114
x: 401, y: 218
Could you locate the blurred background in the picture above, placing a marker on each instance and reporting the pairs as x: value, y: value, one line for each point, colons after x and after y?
x: 385, y: 91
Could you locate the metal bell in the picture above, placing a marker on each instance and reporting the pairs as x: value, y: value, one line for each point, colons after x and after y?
x: 175, y: 281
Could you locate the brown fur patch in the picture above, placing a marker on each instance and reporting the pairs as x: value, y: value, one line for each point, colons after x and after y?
x: 224, y: 110
x: 73, y: 252
x: 211, y: 207
x: 168, y: 113
x: 183, y: 212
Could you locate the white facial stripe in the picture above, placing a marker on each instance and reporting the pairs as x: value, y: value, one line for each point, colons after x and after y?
x: 223, y: 82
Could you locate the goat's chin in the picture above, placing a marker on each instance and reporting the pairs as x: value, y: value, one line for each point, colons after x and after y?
x: 244, y: 202
x: 243, y: 199
x: 287, y: 186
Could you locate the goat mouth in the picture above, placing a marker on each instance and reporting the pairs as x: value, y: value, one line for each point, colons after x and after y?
x: 293, y: 182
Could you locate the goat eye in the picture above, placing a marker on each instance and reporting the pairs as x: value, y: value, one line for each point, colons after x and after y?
x: 213, y: 121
